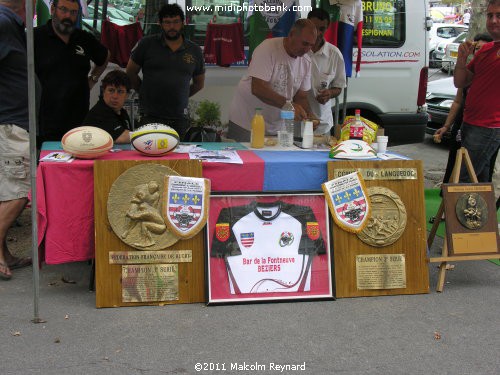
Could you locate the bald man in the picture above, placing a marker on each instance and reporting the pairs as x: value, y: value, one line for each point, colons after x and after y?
x: 280, y: 70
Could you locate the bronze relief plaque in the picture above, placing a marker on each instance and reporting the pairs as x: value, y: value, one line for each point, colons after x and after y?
x: 472, y: 211
x: 388, y: 218
x: 134, y: 207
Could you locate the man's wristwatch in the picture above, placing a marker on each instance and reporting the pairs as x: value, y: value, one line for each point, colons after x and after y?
x: 94, y: 78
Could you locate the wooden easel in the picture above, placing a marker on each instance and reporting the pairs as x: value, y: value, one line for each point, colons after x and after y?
x: 462, y: 155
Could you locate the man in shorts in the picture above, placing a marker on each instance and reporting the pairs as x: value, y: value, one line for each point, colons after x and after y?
x: 14, y: 125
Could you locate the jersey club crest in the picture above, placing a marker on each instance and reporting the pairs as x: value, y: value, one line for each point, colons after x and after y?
x: 247, y: 239
x: 222, y: 231
x: 185, y: 204
x: 348, y: 201
x: 312, y: 229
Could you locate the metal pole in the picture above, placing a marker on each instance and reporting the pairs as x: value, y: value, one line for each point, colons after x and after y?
x: 33, y: 155
x: 336, y: 125
x: 131, y: 101
x: 344, y: 104
x: 96, y: 14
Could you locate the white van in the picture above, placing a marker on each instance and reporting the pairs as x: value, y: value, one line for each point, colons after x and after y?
x: 392, y: 84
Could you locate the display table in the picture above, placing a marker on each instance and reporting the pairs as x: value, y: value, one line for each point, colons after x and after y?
x: 65, y: 191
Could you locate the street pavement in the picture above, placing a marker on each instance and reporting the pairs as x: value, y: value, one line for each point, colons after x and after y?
x: 454, y: 332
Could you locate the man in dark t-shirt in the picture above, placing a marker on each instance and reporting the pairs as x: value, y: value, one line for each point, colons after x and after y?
x: 108, y: 113
x: 168, y: 62
x: 14, y: 126
x: 62, y: 63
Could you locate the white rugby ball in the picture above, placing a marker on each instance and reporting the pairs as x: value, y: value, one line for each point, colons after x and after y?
x: 154, y: 139
x: 87, y: 142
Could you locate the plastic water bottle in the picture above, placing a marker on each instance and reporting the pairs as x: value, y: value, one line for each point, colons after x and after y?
x: 285, y: 134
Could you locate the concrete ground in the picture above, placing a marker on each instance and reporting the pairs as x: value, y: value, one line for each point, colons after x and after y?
x: 454, y: 332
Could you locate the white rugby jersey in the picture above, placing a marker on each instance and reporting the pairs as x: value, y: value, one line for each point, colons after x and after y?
x: 268, y: 247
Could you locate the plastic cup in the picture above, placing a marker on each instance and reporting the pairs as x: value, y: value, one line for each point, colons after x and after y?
x: 382, y: 143
x: 307, y: 137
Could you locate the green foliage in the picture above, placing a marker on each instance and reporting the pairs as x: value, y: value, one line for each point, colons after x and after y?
x: 208, y: 114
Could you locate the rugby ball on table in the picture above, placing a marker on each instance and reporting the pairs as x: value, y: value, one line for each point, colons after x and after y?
x: 154, y: 139
x: 87, y: 142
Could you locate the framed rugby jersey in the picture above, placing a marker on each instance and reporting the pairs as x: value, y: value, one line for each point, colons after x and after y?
x: 268, y: 246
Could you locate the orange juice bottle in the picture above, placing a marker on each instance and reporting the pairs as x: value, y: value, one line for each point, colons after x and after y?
x: 258, y: 130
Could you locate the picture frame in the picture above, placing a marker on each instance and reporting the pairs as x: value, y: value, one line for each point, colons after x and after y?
x: 267, y: 247
x: 471, y: 219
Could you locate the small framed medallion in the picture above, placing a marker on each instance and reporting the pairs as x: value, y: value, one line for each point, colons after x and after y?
x: 471, y: 220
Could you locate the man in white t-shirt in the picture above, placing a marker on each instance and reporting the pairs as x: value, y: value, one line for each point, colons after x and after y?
x: 327, y: 72
x: 280, y: 70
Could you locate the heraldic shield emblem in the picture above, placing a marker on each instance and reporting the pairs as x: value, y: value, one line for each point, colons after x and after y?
x: 348, y: 201
x: 185, y: 204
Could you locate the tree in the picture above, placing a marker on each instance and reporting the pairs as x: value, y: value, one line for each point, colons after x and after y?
x: 453, y: 3
x: 478, y: 20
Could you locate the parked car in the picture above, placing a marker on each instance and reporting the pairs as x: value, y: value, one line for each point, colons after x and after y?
x: 114, y: 15
x: 441, y: 32
x: 440, y: 51
x: 131, y: 7
x: 204, y: 17
x: 440, y: 13
x: 440, y: 96
x: 451, y: 52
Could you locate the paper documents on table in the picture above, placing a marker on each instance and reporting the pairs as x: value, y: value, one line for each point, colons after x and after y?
x: 185, y: 148
x: 59, y: 157
x: 391, y: 156
x: 224, y: 156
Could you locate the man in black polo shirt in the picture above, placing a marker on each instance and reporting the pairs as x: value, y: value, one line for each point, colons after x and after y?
x: 168, y: 62
x: 62, y: 63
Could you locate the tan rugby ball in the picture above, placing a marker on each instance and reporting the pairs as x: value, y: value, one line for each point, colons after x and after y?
x: 87, y: 142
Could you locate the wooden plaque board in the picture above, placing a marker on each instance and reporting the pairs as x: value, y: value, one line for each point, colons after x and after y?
x: 190, y: 275
x: 411, y: 244
x: 462, y: 240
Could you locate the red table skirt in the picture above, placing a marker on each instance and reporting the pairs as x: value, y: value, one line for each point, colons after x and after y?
x: 65, y: 199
